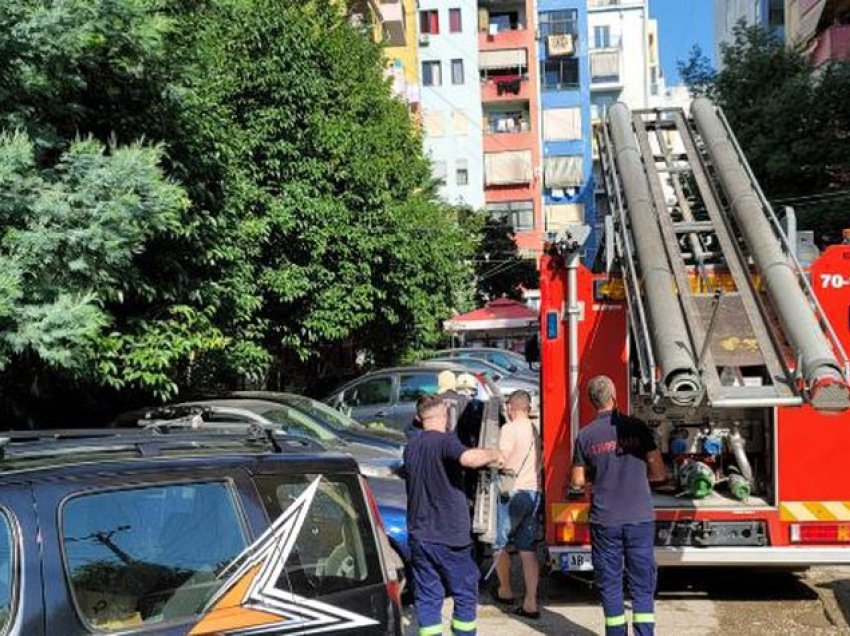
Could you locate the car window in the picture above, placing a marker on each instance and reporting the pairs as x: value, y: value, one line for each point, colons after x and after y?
x: 335, y: 550
x: 332, y: 417
x: 226, y: 418
x: 294, y: 421
x: 370, y: 392
x: 8, y: 572
x: 414, y: 385
x: 501, y: 359
x: 145, y: 556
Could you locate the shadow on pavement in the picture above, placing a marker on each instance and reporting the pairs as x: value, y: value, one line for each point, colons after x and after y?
x: 840, y: 590
x: 738, y: 584
x: 561, y: 593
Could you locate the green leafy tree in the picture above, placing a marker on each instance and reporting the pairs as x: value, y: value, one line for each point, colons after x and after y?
x: 345, y: 237
x: 790, y: 118
x: 73, y: 238
x: 500, y: 270
x: 306, y: 217
x: 696, y: 72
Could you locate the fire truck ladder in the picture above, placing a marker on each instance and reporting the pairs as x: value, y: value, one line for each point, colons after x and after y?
x: 713, y: 318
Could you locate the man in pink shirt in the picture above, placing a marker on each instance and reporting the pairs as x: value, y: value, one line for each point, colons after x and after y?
x: 518, y: 515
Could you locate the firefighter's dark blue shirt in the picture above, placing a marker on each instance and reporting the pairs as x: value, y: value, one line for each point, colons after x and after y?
x: 613, y: 450
x: 436, y: 504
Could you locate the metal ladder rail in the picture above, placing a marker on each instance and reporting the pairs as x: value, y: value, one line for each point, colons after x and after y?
x: 634, y: 301
x: 696, y: 329
x: 798, y: 268
x: 698, y: 249
x: 736, y: 261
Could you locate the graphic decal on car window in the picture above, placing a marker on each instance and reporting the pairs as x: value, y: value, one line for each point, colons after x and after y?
x: 251, y: 601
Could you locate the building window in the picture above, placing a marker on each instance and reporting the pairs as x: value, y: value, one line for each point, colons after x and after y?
x: 602, y: 37
x: 455, y: 22
x: 429, y: 22
x: 776, y: 14
x: 431, y: 74
x: 440, y: 171
x: 457, y: 71
x: 460, y: 123
x: 507, y: 121
x: 433, y: 123
x: 498, y: 21
x: 512, y: 167
x: 559, y: 23
x: 462, y: 172
x: 559, y: 74
x: 563, y: 172
x: 604, y: 66
x: 562, y: 124
x: 517, y: 214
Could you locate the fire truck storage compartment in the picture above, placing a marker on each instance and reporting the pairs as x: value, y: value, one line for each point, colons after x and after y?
x: 715, y: 457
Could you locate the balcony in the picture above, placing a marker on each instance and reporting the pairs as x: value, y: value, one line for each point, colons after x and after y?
x: 392, y: 19
x: 506, y: 88
x: 832, y: 44
x: 606, y: 4
x: 605, y: 68
x: 503, y: 25
x: 504, y: 74
x: 518, y: 38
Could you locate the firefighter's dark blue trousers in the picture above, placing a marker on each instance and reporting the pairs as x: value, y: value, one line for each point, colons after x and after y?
x: 440, y: 570
x: 628, y: 547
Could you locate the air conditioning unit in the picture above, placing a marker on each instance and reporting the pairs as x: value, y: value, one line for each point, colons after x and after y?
x: 561, y: 45
x: 424, y: 39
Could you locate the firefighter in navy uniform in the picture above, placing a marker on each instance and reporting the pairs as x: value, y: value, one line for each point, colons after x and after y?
x: 438, y: 520
x: 618, y: 455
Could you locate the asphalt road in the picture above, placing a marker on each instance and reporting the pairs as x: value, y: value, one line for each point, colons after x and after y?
x: 691, y: 602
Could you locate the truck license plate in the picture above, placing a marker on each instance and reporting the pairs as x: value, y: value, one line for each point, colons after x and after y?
x: 576, y: 561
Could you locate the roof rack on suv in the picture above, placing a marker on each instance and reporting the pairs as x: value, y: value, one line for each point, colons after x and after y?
x: 145, y: 442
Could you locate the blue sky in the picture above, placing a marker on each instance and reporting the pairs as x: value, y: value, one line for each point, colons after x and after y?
x: 681, y: 24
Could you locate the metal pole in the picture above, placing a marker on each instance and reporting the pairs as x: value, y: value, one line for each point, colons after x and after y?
x: 573, y: 311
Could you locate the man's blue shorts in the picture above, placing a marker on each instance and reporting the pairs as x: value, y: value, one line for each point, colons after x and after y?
x: 518, y: 520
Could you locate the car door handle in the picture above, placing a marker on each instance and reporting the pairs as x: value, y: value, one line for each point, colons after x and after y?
x: 381, y: 414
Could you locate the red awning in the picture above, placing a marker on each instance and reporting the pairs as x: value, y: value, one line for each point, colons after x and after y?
x: 503, y: 313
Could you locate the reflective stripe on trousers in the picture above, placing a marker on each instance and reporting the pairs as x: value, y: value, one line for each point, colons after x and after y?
x: 628, y: 548
x: 439, y: 571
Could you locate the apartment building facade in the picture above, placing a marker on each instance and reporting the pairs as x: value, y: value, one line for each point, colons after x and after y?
x: 509, y: 91
x: 567, y: 163
x: 728, y: 13
x: 393, y: 24
x: 451, y: 97
x: 508, y: 74
x: 821, y: 28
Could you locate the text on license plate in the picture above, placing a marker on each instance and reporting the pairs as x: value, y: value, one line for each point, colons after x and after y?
x: 576, y: 562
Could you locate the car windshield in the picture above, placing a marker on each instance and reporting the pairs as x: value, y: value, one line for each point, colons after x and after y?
x: 294, y: 421
x: 330, y: 416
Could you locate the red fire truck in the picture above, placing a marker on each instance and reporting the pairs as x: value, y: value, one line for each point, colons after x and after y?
x: 715, y: 335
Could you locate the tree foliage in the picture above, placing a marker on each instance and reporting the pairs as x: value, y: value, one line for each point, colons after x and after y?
x: 500, y: 270
x: 791, y: 119
x: 192, y: 188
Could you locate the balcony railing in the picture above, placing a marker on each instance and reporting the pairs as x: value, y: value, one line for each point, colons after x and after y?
x: 507, y: 124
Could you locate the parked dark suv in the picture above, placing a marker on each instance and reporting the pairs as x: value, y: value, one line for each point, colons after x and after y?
x: 192, y: 532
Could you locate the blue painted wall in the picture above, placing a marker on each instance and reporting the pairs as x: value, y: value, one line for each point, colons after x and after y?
x: 578, y: 97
